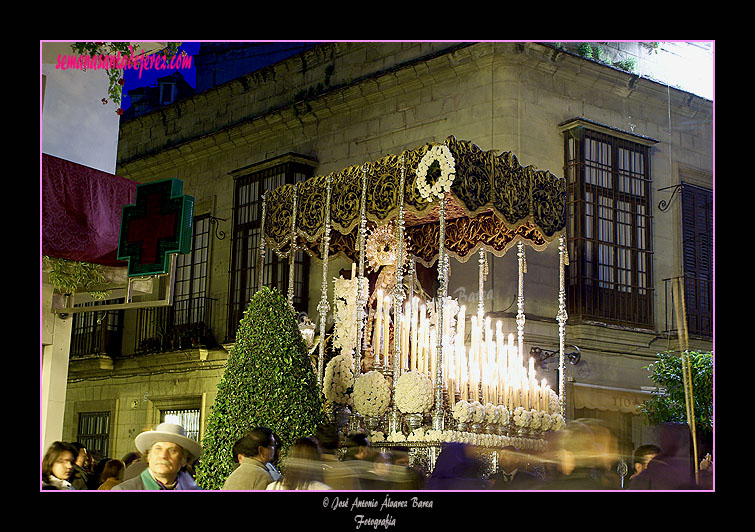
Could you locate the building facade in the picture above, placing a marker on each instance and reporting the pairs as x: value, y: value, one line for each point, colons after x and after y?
x: 623, y: 143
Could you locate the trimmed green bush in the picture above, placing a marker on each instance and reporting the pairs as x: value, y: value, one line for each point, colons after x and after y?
x: 671, y: 406
x: 269, y: 381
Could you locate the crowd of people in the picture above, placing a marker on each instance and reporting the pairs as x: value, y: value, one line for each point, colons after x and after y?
x: 582, y: 456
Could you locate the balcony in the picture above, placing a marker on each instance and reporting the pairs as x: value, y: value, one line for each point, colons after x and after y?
x: 184, y: 325
x: 97, y: 332
x: 698, y: 303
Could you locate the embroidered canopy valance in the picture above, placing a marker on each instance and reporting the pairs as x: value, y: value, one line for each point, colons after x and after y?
x: 493, y: 202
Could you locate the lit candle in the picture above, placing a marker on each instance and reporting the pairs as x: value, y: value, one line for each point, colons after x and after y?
x: 386, y: 330
x: 464, y: 384
x: 433, y: 353
x: 425, y: 340
x: 415, y: 317
x: 542, y: 395
x: 407, y: 339
x: 499, y: 353
x: 378, y: 326
x: 532, y: 382
x: 517, y: 400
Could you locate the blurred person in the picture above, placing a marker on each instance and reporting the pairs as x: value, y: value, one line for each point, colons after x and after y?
x: 112, y: 474
x: 357, y: 447
x: 272, y: 465
x: 166, y: 451
x: 574, y: 459
x: 303, y: 468
x: 381, y: 476
x: 456, y: 468
x: 57, y: 466
x: 337, y: 474
x: 706, y: 472
x: 82, y: 469
x: 642, y: 456
x: 412, y: 478
x: 359, y: 457
x: 672, y: 468
x: 512, y: 474
x: 606, y: 457
x: 130, y: 458
x: 252, y: 451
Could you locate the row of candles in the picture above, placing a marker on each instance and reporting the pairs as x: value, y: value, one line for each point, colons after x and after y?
x: 491, y: 370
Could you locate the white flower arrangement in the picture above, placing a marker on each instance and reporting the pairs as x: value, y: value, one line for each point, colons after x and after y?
x: 504, y: 416
x: 376, y: 436
x: 345, y: 296
x: 535, y: 419
x: 558, y: 422
x: 396, y: 437
x: 338, y: 380
x: 463, y: 412
x: 371, y: 394
x: 440, y: 157
x: 553, y: 402
x: 414, y: 393
x: 478, y: 412
x: 417, y: 435
x: 492, y: 414
x: 435, y: 435
x: 546, y: 421
x: 521, y: 417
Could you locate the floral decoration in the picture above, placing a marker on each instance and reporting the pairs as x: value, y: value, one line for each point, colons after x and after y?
x: 492, y: 414
x: 439, y: 166
x: 546, y: 421
x: 338, y: 381
x: 521, y: 417
x: 345, y: 296
x: 478, y: 412
x: 535, y: 419
x: 414, y: 393
x: 396, y: 437
x: 463, y: 412
x: 557, y: 422
x: 371, y: 394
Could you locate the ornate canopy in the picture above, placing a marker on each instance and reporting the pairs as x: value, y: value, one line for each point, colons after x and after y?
x: 493, y: 202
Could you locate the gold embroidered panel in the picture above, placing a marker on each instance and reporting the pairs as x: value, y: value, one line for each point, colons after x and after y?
x: 514, y: 201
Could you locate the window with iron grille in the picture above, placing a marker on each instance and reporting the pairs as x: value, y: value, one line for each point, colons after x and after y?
x: 97, y: 332
x: 249, y: 188
x: 187, y: 322
x: 94, y: 431
x: 608, y: 228
x: 188, y: 418
x: 697, y: 245
x: 190, y: 290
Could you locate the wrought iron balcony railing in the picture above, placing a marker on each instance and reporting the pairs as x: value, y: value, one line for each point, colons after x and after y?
x: 185, y: 324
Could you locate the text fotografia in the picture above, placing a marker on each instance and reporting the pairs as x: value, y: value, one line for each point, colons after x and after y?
x: 360, y: 504
x: 141, y: 61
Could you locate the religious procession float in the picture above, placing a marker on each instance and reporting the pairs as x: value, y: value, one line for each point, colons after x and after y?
x: 408, y: 370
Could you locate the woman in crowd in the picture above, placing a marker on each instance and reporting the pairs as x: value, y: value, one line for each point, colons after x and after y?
x: 57, y: 466
x: 112, y: 474
x: 303, y: 468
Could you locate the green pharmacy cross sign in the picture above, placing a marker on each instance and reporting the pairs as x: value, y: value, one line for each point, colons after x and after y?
x: 157, y: 225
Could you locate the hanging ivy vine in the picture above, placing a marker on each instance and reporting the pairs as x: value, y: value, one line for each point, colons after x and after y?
x: 69, y: 276
x: 115, y: 75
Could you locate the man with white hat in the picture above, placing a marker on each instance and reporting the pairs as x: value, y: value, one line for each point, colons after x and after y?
x: 166, y: 450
